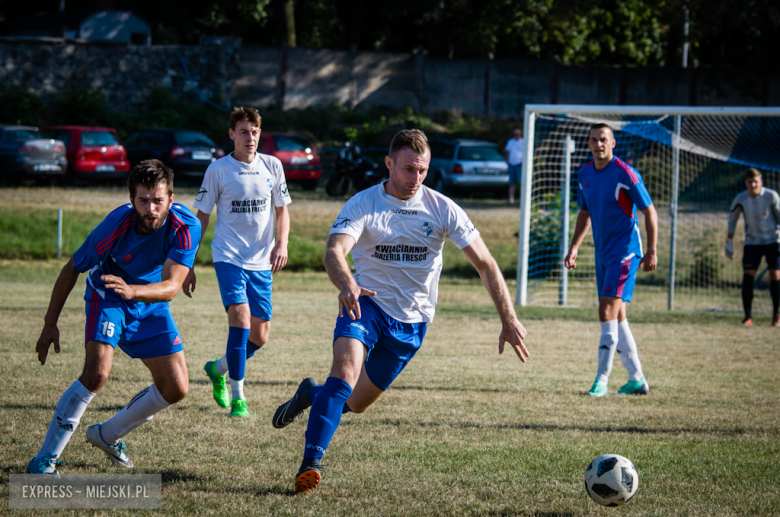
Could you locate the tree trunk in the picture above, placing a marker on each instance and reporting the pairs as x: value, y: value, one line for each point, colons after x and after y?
x: 289, y: 17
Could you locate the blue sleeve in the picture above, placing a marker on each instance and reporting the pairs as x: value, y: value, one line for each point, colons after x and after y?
x: 639, y: 194
x: 186, y: 237
x: 102, y: 238
x: 583, y: 204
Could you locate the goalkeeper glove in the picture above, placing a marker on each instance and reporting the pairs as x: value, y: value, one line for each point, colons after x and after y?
x: 729, y: 249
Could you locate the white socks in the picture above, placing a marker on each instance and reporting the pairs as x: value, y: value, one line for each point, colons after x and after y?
x: 140, y: 410
x: 237, y: 389
x: 626, y: 348
x: 607, y: 344
x: 67, y: 415
x: 221, y: 365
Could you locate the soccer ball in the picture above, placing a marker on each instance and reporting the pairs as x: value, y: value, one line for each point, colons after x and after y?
x: 611, y: 480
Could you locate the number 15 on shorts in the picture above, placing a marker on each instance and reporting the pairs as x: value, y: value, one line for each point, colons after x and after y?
x: 108, y: 329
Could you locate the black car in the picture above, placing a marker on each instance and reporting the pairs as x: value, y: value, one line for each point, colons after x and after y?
x: 188, y: 153
x: 25, y: 153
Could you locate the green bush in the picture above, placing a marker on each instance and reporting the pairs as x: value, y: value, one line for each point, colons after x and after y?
x: 17, y: 105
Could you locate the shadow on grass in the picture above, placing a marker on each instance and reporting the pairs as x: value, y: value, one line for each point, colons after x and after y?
x: 207, y: 484
x: 291, y: 382
x: 529, y: 514
x: 589, y: 429
x: 454, y: 388
x: 25, y: 407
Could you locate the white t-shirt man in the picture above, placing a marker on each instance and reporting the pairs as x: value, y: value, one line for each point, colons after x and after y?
x: 398, y: 247
x: 243, y: 193
x: 515, y: 148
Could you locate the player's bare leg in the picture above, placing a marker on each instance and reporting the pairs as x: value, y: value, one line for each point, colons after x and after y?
x: 71, y: 406
x: 364, y: 394
x: 171, y: 384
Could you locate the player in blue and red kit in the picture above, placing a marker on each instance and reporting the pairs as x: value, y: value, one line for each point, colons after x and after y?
x: 137, y: 260
x: 609, y: 193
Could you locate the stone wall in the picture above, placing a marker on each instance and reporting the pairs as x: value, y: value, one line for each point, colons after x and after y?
x: 125, y: 74
x: 297, y: 78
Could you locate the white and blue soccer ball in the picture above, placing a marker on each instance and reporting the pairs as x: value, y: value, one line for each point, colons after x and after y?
x: 611, y: 480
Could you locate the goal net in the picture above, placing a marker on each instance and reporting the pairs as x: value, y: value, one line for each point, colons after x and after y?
x: 692, y: 161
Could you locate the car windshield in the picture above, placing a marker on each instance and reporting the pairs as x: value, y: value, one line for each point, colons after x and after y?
x: 98, y: 138
x: 23, y: 134
x: 192, y: 138
x: 480, y: 153
x: 292, y: 144
x: 61, y: 135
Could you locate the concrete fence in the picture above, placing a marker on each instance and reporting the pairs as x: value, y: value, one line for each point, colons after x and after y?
x: 297, y: 78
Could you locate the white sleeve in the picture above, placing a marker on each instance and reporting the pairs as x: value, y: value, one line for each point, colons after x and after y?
x: 209, y: 191
x: 280, y: 196
x: 351, y: 220
x: 460, y: 230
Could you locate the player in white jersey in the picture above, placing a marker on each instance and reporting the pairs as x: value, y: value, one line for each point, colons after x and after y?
x: 395, y: 232
x: 761, y: 208
x: 244, y: 186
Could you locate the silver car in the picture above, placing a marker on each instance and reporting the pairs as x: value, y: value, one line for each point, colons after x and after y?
x: 466, y: 164
x: 25, y: 153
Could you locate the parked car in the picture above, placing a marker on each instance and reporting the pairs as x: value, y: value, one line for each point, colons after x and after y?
x: 26, y: 153
x: 462, y: 163
x: 299, y: 158
x: 188, y: 153
x: 92, y: 152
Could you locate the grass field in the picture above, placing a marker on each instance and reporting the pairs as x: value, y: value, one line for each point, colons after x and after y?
x: 463, y: 431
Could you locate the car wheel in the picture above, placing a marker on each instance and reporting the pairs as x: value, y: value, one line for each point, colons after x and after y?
x: 337, y: 186
x: 310, y: 184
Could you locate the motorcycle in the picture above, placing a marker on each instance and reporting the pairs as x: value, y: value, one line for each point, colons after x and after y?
x: 354, y: 169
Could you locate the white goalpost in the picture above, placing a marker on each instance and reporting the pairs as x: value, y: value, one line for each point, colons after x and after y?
x: 691, y: 159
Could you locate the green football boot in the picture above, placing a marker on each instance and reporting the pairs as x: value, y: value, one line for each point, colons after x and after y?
x: 219, y: 389
x: 238, y: 408
x: 639, y: 387
x: 599, y: 388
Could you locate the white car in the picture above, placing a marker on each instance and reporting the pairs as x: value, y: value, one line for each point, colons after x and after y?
x: 466, y: 164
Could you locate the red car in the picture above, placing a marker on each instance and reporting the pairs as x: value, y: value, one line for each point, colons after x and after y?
x: 92, y: 152
x: 299, y: 158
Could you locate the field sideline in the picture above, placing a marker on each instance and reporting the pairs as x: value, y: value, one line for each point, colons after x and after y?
x: 463, y: 431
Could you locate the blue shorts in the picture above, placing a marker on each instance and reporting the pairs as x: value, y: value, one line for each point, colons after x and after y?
x: 617, y: 279
x: 391, y: 343
x: 237, y: 285
x: 154, y: 335
x: 515, y: 173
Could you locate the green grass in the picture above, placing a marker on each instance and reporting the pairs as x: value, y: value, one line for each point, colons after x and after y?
x: 463, y: 431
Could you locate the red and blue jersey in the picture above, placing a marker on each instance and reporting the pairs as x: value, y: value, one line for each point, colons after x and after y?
x: 114, y: 248
x: 611, y: 195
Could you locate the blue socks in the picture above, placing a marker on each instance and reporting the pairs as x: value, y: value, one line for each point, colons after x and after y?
x: 251, y: 348
x: 313, y: 395
x: 328, y: 404
x: 236, y: 352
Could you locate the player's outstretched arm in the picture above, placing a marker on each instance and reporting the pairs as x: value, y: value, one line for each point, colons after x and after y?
x: 580, y: 230
x: 512, y: 331
x: 188, y: 286
x: 650, y: 260
x: 339, y: 246
x: 279, y: 253
x: 172, y: 278
x: 50, y: 333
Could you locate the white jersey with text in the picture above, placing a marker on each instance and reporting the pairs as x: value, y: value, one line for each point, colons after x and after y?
x: 398, y: 247
x: 244, y: 194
